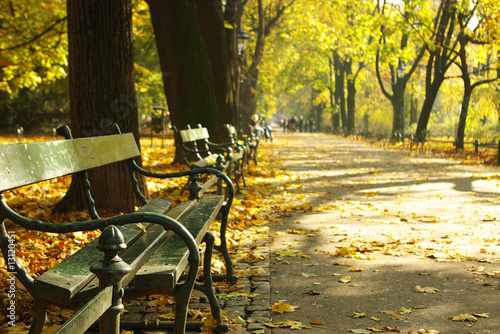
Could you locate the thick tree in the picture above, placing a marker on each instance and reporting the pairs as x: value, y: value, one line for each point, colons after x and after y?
x: 211, y: 21
x: 185, y: 65
x: 102, y: 91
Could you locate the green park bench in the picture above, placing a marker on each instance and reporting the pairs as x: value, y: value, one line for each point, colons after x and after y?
x: 152, y: 257
x: 199, y: 152
x: 251, y: 143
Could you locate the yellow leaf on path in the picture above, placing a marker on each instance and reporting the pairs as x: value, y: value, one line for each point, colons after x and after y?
x: 361, y: 331
x: 239, y: 321
x: 345, y: 279
x: 282, y: 307
x: 270, y: 324
x: 309, y: 275
x: 378, y: 328
x: 375, y: 319
x: 425, y: 289
x: 481, y: 315
x: 209, y: 324
x: 317, y: 322
x: 427, y: 331
x: 395, y: 315
x: 464, y: 317
x: 356, y: 269
x: 405, y: 310
x: 358, y: 314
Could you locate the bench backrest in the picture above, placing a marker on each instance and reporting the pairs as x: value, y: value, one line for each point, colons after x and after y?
x: 23, y: 164
x: 196, y: 142
x: 192, y: 135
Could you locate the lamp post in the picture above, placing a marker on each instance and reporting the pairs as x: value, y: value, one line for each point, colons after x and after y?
x: 242, y: 42
x: 158, y: 122
x: 400, y: 73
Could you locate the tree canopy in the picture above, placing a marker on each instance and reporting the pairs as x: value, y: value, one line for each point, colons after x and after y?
x: 339, y: 61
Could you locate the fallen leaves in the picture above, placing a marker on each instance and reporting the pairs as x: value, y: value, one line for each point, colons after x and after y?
x: 425, y: 289
x: 345, y: 279
x: 358, y: 314
x: 282, y: 307
x: 469, y: 317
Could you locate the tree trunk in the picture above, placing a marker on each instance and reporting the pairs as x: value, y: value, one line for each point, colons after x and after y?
x: 185, y: 64
x: 431, y: 92
x: 339, y: 88
x: 441, y: 58
x: 333, y: 98
x: 102, y: 91
x: 413, y: 109
x: 463, y: 116
x: 214, y: 35
x: 351, y: 98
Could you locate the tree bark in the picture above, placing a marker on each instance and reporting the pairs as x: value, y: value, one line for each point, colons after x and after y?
x: 351, y: 97
x: 185, y: 64
x: 211, y: 20
x: 339, y: 88
x: 102, y: 91
x: 441, y: 58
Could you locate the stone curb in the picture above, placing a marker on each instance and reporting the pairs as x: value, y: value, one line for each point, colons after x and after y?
x: 255, y: 311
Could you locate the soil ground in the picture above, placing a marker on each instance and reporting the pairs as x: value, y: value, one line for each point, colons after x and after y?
x: 384, y: 223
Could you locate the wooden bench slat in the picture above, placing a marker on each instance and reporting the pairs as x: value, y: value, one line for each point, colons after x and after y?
x: 64, y: 281
x: 84, y: 317
x: 24, y: 164
x: 167, y: 264
x: 195, y: 134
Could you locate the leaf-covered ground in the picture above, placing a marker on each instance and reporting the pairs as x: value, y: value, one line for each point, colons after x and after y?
x: 377, y: 239
x: 348, y: 221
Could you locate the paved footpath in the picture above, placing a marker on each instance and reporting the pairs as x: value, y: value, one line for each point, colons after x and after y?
x: 369, y: 239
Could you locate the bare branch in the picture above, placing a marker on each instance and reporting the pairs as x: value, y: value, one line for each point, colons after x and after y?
x: 36, y: 37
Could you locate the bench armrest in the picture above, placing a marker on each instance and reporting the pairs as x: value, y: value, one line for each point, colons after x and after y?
x: 211, y: 171
x: 21, y: 272
x: 224, y: 209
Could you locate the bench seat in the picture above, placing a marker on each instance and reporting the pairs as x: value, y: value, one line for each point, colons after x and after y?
x: 145, y: 252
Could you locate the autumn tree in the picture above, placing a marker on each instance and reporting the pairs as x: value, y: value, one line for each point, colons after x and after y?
x: 34, y: 30
x: 262, y: 19
x: 467, y: 11
x: 441, y: 48
x: 102, y: 91
x: 398, y: 49
x: 33, y: 55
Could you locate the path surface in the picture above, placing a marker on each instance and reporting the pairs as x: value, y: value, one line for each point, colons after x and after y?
x: 384, y: 222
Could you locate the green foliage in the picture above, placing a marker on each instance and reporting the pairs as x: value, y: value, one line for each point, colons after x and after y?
x: 33, y: 43
x: 33, y: 64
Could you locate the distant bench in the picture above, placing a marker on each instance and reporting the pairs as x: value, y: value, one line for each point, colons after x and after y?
x: 138, y: 259
x: 199, y: 152
x: 251, y: 143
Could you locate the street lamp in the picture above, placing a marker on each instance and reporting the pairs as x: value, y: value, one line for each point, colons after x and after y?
x: 242, y: 39
x: 158, y: 122
x: 401, y: 70
x: 242, y: 42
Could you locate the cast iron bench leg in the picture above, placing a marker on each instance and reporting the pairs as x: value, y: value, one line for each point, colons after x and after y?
x: 38, y: 311
x: 207, y: 286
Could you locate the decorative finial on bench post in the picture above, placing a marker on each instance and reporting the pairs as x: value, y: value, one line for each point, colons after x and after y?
x: 194, y: 186
x: 110, y: 271
x: 220, y: 165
